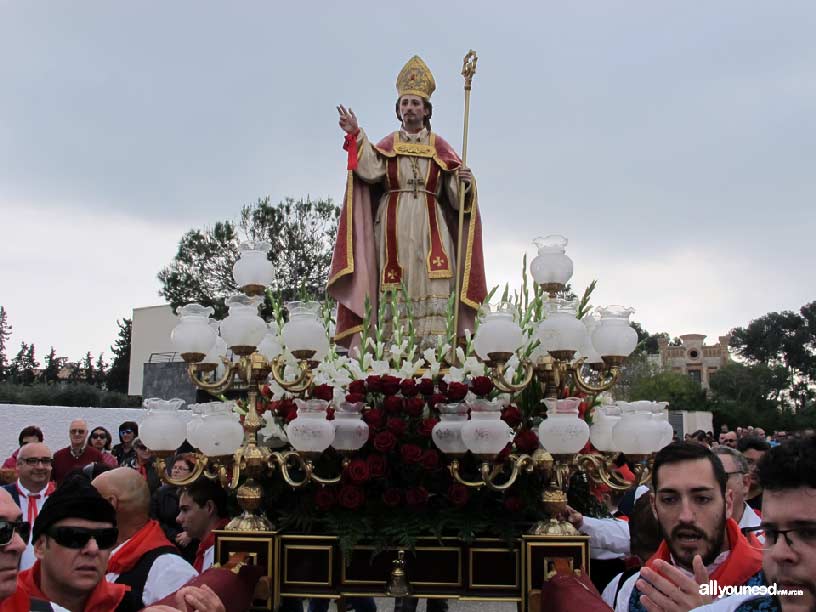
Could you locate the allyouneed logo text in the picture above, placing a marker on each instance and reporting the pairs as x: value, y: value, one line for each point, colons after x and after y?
x: 715, y: 590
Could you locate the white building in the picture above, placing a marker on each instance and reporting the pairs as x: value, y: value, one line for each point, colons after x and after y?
x: 150, y: 339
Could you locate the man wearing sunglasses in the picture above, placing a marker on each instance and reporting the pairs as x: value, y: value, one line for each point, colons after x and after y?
x: 787, y: 474
x: 13, y: 536
x: 32, y: 488
x: 73, y: 536
x: 77, y: 455
x: 144, y: 559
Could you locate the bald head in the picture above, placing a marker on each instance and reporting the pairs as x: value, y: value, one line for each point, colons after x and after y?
x: 128, y: 492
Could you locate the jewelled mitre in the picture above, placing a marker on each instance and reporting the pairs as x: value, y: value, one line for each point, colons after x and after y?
x: 416, y: 79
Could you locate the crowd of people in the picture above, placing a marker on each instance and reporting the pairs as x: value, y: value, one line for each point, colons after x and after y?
x: 90, y: 527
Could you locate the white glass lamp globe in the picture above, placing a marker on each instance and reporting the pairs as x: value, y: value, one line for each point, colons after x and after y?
x: 551, y: 268
x: 498, y: 333
x: 162, y: 429
x: 600, y: 433
x: 310, y: 432
x: 350, y: 430
x: 192, y: 337
x: 220, y: 432
x: 253, y: 271
x: 243, y: 329
x: 447, y: 433
x: 485, y: 434
x: 636, y: 433
x: 303, y: 333
x: 270, y: 346
x: 563, y: 432
x: 564, y: 331
x: 613, y: 337
x: 587, y: 351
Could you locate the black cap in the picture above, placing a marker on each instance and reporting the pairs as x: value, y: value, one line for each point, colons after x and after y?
x: 74, y: 498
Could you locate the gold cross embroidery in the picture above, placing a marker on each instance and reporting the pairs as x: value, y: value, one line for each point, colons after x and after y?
x: 438, y: 261
x: 392, y: 275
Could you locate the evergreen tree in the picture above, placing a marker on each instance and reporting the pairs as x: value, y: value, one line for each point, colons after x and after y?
x: 5, y: 334
x: 52, y: 366
x: 119, y: 373
x: 22, y: 369
x: 100, y: 372
x: 87, y: 368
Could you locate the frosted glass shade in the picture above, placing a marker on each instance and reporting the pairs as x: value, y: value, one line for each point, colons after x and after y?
x: 304, y: 331
x: 563, y: 431
x: 447, y: 433
x: 253, y: 269
x: 162, y: 429
x: 614, y: 337
x: 220, y: 431
x: 551, y: 265
x: 498, y: 332
x: 600, y: 433
x: 350, y: 431
x: 192, y: 337
x: 485, y: 434
x: 637, y: 433
x: 243, y: 329
x: 561, y: 329
x: 310, y: 431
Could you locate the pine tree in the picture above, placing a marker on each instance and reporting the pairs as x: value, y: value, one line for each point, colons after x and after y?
x: 52, y: 366
x: 100, y: 372
x: 22, y: 367
x: 87, y: 368
x: 5, y: 334
x: 119, y: 373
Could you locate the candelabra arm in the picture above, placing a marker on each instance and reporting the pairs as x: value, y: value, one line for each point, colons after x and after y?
x: 306, y: 465
x: 502, y: 385
x: 600, y: 470
x: 583, y: 385
x: 218, y: 386
x: 472, y: 484
x: 200, y: 465
x: 489, y: 473
x: 299, y: 384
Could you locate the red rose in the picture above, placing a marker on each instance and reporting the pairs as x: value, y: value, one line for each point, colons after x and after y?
x: 376, y: 465
x: 266, y: 391
x: 393, y: 404
x: 358, y: 471
x: 324, y: 392
x: 426, y: 428
x: 481, y: 385
x: 396, y: 426
x: 505, y: 452
x: 414, y: 406
x: 284, y: 407
x: 457, y: 391
x: 426, y: 386
x: 442, y: 386
x: 329, y: 413
x: 410, y: 453
x: 324, y: 498
x: 373, y: 384
x: 291, y: 416
x: 437, y: 398
x: 582, y: 408
x: 417, y: 496
x: 526, y: 441
x: 430, y: 460
x: 350, y: 497
x: 373, y: 417
x: 390, y: 384
x: 458, y: 494
x: 513, y: 504
x: 357, y: 386
x: 384, y: 441
x: 512, y: 416
x: 392, y: 498
x: 409, y: 387
x: 353, y: 398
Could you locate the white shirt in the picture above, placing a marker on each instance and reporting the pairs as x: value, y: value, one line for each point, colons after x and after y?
x: 27, y: 559
x: 209, y: 559
x: 749, y: 518
x: 608, y: 594
x: 167, y: 575
x: 608, y: 537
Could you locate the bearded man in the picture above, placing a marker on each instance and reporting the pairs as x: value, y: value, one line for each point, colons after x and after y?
x: 399, y: 222
x: 700, y: 541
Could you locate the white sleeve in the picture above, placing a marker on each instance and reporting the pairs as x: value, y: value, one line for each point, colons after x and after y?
x: 608, y: 594
x: 607, y: 533
x: 167, y: 575
x: 626, y: 592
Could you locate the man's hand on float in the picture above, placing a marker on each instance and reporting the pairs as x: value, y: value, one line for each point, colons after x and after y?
x: 198, y: 599
x: 572, y: 516
x: 671, y: 590
x: 465, y: 174
x: 348, y: 120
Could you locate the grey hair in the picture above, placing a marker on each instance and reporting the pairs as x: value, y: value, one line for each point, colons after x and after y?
x: 742, y: 462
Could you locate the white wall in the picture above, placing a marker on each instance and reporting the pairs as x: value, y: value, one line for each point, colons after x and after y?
x: 54, y: 422
x: 151, y: 334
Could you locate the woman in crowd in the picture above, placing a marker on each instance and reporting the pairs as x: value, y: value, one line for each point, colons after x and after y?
x: 145, y: 465
x: 164, y: 507
x: 32, y: 433
x: 124, y: 451
x: 100, y: 439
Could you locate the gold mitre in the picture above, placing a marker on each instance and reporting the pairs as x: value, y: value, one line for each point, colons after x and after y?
x: 415, y: 79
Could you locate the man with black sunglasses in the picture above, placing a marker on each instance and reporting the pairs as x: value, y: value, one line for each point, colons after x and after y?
x: 73, y: 536
x: 32, y: 488
x: 77, y: 455
x: 13, y: 536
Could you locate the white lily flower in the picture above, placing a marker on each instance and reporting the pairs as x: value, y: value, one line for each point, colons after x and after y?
x: 380, y: 367
x: 454, y: 375
x: 460, y: 354
x: 408, y: 369
x: 338, y: 396
x: 429, y: 355
x: 468, y: 335
x: 474, y: 367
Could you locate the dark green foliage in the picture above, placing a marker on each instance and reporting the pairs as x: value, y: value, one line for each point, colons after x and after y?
x: 679, y: 390
x: 64, y: 394
x: 119, y: 373
x: 5, y: 334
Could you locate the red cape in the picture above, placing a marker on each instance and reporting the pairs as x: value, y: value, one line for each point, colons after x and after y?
x: 354, y: 274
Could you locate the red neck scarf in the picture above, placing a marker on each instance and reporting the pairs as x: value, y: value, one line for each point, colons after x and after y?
x: 742, y: 562
x: 33, y: 497
x: 208, y: 541
x: 146, y: 539
x: 105, y: 597
x: 16, y: 602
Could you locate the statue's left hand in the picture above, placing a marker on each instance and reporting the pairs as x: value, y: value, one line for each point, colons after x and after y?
x: 465, y: 174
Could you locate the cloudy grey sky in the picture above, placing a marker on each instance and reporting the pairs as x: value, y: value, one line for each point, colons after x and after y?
x: 672, y: 142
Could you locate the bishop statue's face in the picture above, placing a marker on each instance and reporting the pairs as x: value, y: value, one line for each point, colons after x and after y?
x: 412, y: 112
